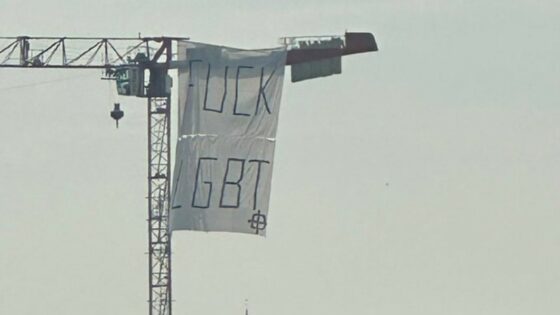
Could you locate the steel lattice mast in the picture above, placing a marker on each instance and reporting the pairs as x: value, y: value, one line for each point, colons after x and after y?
x: 159, y: 174
x: 159, y: 188
x: 154, y: 54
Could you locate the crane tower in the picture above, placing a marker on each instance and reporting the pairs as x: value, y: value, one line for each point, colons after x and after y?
x: 140, y: 66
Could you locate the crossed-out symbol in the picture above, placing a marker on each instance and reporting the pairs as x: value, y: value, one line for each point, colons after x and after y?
x: 258, y: 222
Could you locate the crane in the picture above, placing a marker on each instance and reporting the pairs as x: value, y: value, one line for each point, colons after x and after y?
x: 132, y: 62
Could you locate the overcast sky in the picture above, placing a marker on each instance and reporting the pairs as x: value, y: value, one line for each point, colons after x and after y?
x: 423, y: 180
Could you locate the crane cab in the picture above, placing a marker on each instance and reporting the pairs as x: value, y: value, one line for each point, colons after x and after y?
x: 130, y: 81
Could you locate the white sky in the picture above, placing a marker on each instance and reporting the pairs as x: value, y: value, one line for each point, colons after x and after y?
x: 458, y: 112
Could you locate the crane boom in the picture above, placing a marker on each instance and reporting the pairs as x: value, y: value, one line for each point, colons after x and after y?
x: 80, y: 52
x: 113, y: 52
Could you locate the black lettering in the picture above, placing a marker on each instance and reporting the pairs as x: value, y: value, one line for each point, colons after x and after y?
x: 177, y: 186
x: 259, y: 163
x: 198, y: 175
x: 261, y: 91
x: 221, y: 109
x: 190, y: 70
x: 237, y: 91
x: 227, y: 182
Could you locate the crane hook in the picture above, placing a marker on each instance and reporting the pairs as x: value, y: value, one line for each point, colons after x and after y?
x: 117, y: 113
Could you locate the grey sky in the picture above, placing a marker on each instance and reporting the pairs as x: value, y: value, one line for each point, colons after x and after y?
x: 423, y: 180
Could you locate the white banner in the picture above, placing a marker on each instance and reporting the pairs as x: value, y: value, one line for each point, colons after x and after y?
x: 229, y: 102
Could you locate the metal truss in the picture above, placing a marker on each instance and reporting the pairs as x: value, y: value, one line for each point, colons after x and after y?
x: 105, y: 53
x: 80, y: 52
x: 159, y: 174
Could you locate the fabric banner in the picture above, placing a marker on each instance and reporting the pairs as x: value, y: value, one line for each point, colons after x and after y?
x: 229, y: 103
